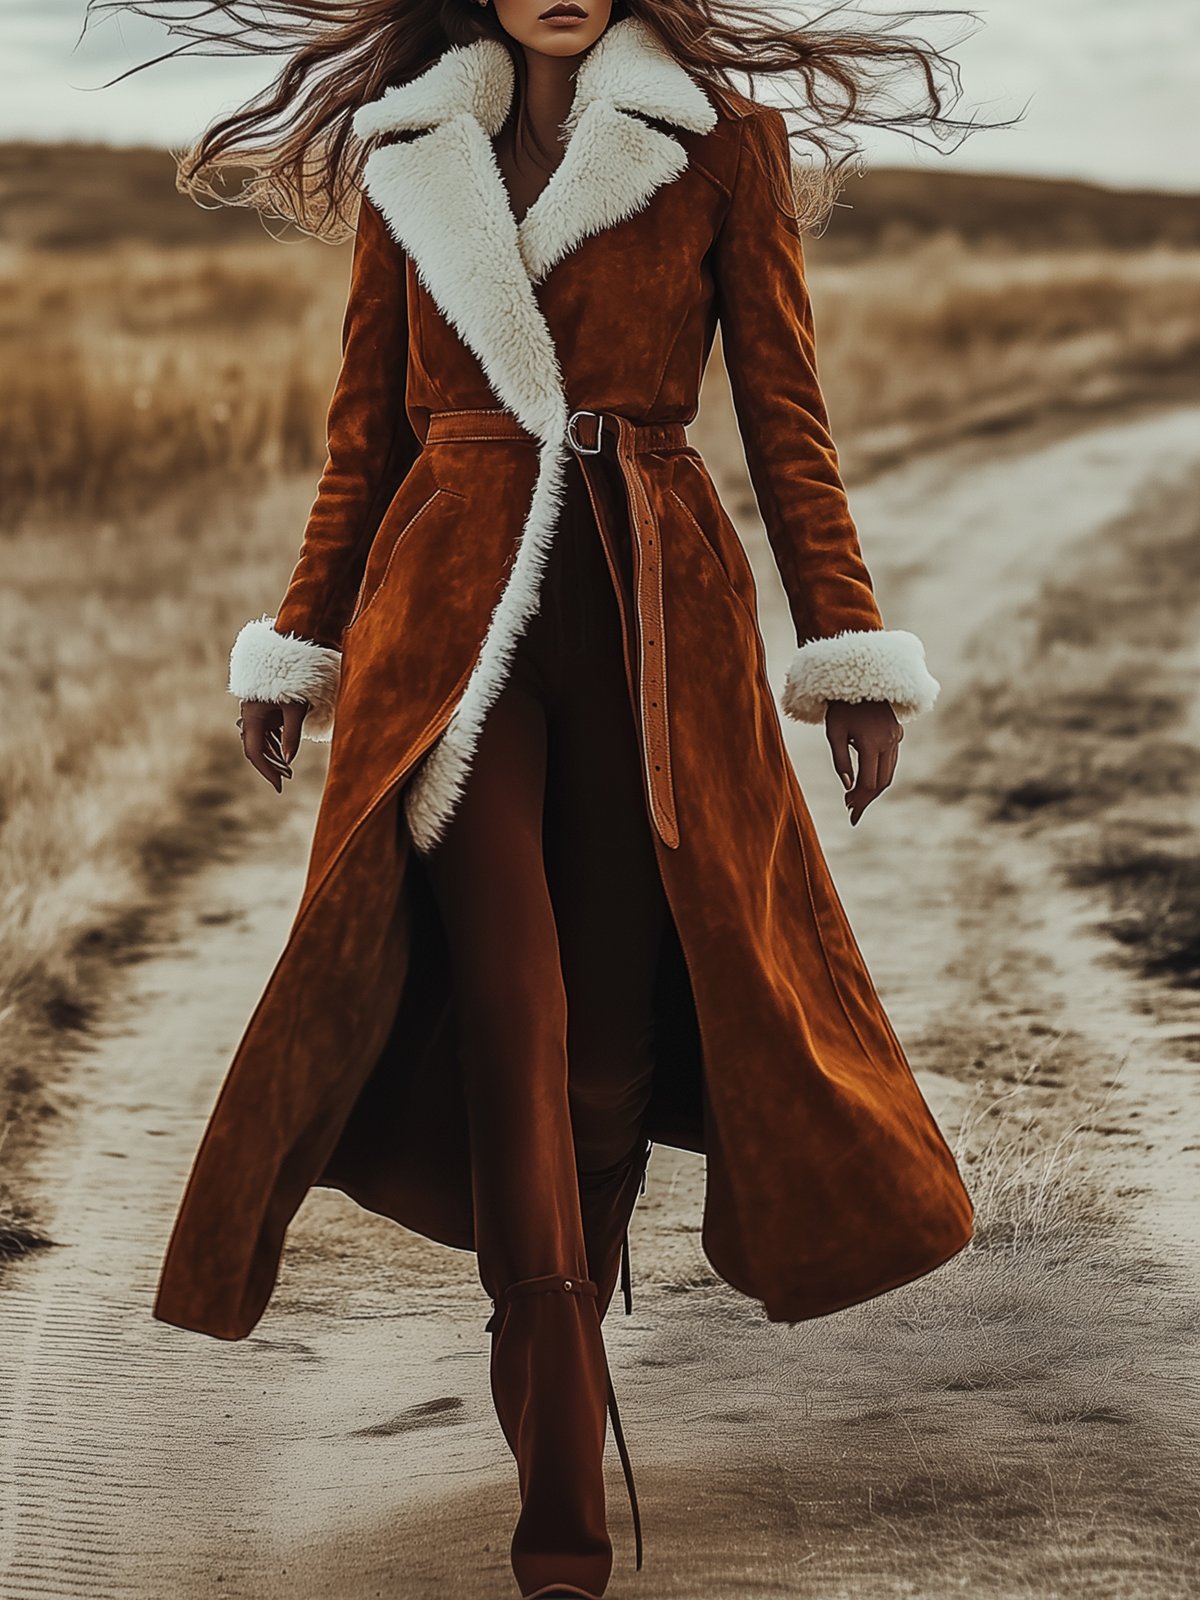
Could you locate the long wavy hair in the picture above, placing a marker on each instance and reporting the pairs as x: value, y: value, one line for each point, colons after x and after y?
x: 298, y: 159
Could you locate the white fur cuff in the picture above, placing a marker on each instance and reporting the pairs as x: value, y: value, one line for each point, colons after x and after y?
x: 875, y: 664
x: 282, y: 668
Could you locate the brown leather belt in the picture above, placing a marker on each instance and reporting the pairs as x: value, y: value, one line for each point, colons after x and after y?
x: 593, y: 434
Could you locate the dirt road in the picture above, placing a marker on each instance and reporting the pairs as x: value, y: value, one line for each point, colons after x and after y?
x: 1022, y: 1421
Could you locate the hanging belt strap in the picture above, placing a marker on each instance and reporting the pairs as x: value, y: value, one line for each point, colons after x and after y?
x: 631, y: 440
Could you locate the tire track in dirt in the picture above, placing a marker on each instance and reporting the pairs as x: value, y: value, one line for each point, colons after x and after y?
x: 348, y: 1449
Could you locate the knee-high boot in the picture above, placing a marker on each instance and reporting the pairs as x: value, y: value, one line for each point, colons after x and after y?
x: 551, y: 1386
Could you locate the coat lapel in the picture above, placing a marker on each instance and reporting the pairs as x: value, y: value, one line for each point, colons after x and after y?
x: 443, y: 197
x: 613, y: 162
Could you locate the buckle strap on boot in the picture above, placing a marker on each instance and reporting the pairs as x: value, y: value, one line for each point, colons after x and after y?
x: 542, y: 1285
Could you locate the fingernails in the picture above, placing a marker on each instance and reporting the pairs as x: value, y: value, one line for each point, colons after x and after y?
x: 847, y: 780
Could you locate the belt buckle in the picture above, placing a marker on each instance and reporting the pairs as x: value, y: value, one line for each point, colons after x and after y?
x: 585, y: 449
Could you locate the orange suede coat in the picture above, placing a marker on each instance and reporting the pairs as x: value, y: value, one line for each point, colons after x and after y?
x: 828, y: 1180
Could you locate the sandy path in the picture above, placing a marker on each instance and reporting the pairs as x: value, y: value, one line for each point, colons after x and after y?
x: 969, y: 1428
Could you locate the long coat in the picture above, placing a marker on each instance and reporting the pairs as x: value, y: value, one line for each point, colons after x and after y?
x: 827, y: 1178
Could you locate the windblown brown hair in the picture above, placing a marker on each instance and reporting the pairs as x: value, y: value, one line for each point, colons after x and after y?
x: 299, y: 160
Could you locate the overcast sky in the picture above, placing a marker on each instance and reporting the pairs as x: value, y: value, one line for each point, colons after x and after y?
x: 1111, y: 86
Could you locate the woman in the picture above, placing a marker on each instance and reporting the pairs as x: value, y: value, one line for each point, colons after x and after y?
x: 564, y: 897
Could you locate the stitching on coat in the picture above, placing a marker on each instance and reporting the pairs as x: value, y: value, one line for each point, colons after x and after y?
x: 716, y: 182
x: 419, y: 340
x: 675, y: 338
x: 704, y: 539
x: 476, y: 438
x: 473, y: 411
x: 743, y: 123
x: 371, y: 522
x: 818, y: 921
x: 361, y: 611
x: 643, y: 509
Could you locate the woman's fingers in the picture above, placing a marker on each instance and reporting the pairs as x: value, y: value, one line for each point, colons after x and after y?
x: 866, y: 789
x: 871, y: 729
x: 293, y: 720
x: 261, y: 745
x: 876, y: 769
x: 253, y: 746
x: 838, y: 735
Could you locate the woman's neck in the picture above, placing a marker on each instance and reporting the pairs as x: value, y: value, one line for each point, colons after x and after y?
x: 549, y: 90
x: 529, y: 157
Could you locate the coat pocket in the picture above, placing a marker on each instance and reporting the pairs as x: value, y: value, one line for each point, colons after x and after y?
x: 393, y: 532
x: 742, y: 592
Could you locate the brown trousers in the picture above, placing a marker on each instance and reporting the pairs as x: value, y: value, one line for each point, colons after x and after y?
x: 548, y: 888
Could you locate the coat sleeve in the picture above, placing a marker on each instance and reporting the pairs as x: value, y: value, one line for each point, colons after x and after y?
x: 296, y: 655
x: 767, y: 335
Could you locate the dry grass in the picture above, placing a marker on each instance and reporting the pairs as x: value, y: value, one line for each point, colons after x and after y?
x: 920, y: 349
x: 135, y: 370
x: 19, y: 1235
x: 163, y: 410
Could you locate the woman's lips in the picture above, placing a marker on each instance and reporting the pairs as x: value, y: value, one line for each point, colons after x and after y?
x: 565, y: 14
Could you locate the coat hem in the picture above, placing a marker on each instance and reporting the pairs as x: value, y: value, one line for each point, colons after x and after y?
x: 775, y: 1310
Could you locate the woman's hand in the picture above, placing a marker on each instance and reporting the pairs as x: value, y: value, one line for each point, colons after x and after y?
x: 869, y: 727
x: 271, y: 737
